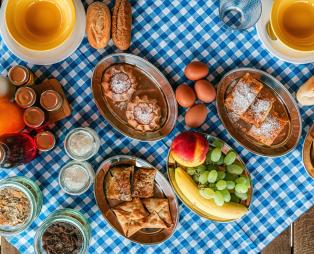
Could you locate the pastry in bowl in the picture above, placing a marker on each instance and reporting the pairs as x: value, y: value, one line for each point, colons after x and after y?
x: 119, y: 82
x: 118, y: 183
x: 143, y: 114
x: 143, y: 185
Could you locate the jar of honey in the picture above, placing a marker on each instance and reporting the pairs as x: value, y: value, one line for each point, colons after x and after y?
x: 25, y: 97
x: 21, y: 76
x: 51, y: 100
x: 34, y: 117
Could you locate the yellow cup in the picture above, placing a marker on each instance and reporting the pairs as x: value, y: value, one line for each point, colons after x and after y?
x: 40, y: 24
x: 292, y: 23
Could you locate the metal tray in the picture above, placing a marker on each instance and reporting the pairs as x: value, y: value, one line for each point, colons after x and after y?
x: 171, y: 166
x: 308, y: 152
x: 162, y: 189
x: 284, y: 97
x: 155, y: 76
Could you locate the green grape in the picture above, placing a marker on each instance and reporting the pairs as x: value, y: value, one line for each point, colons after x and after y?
x: 241, y: 180
x: 191, y: 171
x: 212, y: 167
x: 234, y: 198
x: 236, y: 169
x: 221, y: 175
x: 230, y: 177
x: 221, y: 160
x: 212, y: 176
x: 230, y: 185
x: 203, y: 177
x: 215, y: 154
x: 230, y: 158
x: 242, y: 196
x: 208, y: 158
x: 227, y: 196
x: 195, y: 178
x: 207, y: 193
x: 218, y: 143
x: 241, y: 188
x: 221, y: 184
x: 219, y: 198
x: 200, y: 168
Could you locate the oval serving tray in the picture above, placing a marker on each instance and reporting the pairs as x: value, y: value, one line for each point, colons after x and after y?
x: 172, y: 165
x: 284, y: 97
x: 162, y: 190
x: 161, y: 85
x: 308, y: 152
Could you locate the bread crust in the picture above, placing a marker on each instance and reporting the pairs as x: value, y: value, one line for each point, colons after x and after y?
x: 98, y: 25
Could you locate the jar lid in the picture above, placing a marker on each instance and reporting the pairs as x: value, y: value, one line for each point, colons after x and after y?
x: 45, y: 141
x: 34, y: 117
x: 25, y: 97
x: 18, y: 75
x: 51, y: 100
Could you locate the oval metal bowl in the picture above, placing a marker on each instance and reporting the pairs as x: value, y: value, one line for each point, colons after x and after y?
x: 172, y: 165
x: 155, y: 76
x: 308, y: 152
x: 282, y: 95
x: 162, y: 190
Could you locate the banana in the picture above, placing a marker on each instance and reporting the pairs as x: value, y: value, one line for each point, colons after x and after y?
x: 229, y: 211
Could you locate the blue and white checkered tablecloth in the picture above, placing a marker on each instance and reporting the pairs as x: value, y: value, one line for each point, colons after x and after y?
x: 170, y: 34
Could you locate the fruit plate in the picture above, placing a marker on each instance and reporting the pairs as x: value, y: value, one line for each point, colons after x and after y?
x: 285, y: 104
x: 162, y: 190
x: 172, y: 165
x: 152, y: 83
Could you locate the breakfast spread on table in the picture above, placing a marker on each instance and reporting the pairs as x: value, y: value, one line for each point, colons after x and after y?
x: 137, y: 100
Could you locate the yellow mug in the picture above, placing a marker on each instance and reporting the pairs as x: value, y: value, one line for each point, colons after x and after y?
x: 40, y: 24
x: 292, y: 23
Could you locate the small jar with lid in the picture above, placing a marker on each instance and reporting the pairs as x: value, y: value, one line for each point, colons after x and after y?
x: 34, y: 117
x: 76, y: 177
x: 21, y: 76
x: 45, y: 141
x: 51, y: 100
x: 82, y: 143
x: 65, y: 229
x: 21, y: 202
x: 25, y: 97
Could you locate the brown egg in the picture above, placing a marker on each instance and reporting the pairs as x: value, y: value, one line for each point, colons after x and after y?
x: 196, y: 115
x: 185, y: 96
x: 196, y: 70
x: 205, y: 91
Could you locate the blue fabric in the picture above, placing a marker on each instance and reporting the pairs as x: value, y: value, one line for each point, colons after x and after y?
x: 170, y: 34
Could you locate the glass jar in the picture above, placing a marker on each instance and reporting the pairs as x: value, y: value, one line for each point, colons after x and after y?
x: 76, y: 177
x: 81, y: 143
x: 34, y: 195
x: 69, y: 216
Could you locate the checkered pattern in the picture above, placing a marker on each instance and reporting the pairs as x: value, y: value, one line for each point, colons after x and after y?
x: 170, y: 34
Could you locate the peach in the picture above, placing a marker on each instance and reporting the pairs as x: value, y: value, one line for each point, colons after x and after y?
x: 189, y: 149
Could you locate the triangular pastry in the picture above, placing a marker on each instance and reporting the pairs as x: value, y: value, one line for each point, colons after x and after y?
x: 123, y: 218
x: 154, y: 221
x: 161, y: 207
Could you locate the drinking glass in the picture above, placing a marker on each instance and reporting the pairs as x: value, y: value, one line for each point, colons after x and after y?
x: 240, y: 14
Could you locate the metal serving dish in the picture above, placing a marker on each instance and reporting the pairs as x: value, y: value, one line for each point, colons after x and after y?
x: 308, y: 152
x: 285, y: 101
x: 162, y: 92
x: 172, y: 165
x: 162, y: 190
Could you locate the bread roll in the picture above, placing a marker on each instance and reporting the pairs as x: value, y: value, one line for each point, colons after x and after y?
x: 305, y: 94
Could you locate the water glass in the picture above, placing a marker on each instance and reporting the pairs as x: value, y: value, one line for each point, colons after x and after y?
x: 240, y: 14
